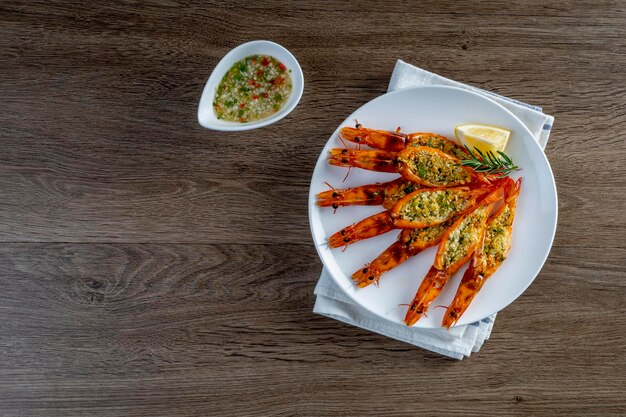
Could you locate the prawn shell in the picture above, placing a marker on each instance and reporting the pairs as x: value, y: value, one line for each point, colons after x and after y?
x: 378, y: 139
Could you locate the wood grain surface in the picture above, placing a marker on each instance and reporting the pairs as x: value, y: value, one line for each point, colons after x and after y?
x: 152, y: 267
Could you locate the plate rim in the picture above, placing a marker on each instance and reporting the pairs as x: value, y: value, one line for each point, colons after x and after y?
x: 312, y: 201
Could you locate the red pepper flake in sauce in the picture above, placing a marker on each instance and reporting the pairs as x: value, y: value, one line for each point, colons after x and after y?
x: 252, y: 89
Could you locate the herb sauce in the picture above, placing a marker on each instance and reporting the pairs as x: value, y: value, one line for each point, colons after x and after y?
x: 253, y: 89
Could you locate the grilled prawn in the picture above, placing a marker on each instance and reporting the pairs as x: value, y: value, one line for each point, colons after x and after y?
x: 396, y: 141
x: 430, y: 206
x: 410, y: 242
x: 423, y: 165
x: 385, y: 194
x: 369, y: 227
x: 493, y: 250
x: 419, y: 209
x: 456, y: 247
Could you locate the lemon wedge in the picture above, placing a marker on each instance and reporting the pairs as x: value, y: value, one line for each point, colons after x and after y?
x: 483, y: 137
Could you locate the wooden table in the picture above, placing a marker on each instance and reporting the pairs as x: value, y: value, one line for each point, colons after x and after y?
x: 152, y: 267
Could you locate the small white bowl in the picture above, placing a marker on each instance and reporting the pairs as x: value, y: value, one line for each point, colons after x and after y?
x: 206, y: 114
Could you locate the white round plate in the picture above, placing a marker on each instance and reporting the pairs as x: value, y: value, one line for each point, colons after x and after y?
x: 206, y: 114
x: 436, y: 109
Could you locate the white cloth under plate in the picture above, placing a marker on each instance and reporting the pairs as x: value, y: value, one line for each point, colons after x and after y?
x: 460, y: 341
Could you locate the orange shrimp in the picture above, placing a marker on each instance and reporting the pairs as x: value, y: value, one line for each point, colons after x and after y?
x: 379, y: 139
x: 410, y: 242
x: 385, y: 194
x: 456, y: 247
x: 433, y: 140
x: 421, y: 164
x: 380, y: 161
x: 431, y: 206
x: 396, y: 141
x: 369, y: 227
x: 491, y: 253
x: 427, y: 207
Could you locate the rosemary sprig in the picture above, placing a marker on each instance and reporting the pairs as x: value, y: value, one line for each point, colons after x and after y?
x: 488, y: 162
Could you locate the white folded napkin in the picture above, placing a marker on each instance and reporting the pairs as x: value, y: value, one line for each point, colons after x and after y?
x: 459, y: 341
